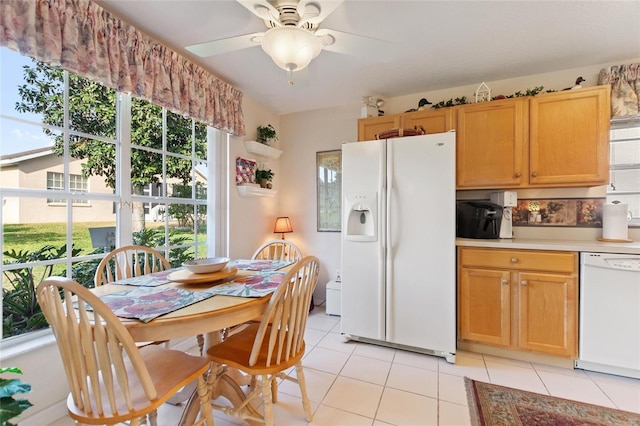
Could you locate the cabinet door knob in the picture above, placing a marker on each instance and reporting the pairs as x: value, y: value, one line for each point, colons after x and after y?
x: 518, y: 174
x: 505, y: 281
x: 523, y: 282
x: 514, y: 260
x: 534, y: 174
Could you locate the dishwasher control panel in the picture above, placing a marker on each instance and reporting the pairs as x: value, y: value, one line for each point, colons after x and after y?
x: 625, y: 262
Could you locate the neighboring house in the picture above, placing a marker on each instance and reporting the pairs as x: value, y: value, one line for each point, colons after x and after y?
x: 43, y: 169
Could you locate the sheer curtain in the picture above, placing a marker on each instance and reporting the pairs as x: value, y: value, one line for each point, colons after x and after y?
x: 625, y: 88
x: 82, y: 37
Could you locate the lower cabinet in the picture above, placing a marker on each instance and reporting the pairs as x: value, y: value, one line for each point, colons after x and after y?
x: 519, y: 299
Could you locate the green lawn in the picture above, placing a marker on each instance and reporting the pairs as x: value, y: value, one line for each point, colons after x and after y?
x: 34, y: 236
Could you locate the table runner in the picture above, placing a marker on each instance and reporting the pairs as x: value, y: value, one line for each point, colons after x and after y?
x: 260, y: 265
x: 255, y: 285
x: 146, y: 304
x: 149, y: 280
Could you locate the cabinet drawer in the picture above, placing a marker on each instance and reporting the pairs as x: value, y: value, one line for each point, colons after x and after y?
x: 530, y: 260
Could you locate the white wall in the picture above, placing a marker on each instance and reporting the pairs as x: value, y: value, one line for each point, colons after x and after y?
x: 303, y: 135
x: 251, y: 220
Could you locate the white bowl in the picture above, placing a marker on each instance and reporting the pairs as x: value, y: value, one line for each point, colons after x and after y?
x: 205, y: 266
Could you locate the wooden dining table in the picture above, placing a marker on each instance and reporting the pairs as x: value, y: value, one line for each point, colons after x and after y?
x: 207, y: 317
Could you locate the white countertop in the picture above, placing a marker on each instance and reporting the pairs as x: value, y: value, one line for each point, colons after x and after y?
x: 558, y: 245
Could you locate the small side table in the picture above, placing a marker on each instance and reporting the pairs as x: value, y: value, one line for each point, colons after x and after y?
x: 334, y: 298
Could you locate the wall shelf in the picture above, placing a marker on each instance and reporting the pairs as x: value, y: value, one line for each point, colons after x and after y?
x: 255, y: 191
x: 262, y: 150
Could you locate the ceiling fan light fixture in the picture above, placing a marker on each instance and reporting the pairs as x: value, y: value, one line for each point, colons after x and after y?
x: 290, y: 47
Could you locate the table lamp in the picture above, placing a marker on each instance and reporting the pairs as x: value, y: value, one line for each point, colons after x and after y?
x: 283, y: 225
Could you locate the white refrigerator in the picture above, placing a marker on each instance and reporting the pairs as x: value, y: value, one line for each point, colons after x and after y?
x: 398, y: 243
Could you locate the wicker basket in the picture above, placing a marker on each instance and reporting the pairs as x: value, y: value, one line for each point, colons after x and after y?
x: 400, y: 133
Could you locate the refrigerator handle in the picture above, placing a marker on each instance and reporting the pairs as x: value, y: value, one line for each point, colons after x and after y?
x: 388, y: 255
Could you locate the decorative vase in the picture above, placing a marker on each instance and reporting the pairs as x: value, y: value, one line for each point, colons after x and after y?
x: 263, y: 183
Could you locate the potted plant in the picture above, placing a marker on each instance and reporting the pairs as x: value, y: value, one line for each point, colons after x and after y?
x: 12, y: 407
x: 267, y: 134
x: 264, y: 178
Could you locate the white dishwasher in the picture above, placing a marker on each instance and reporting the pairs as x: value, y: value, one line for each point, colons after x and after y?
x: 610, y: 313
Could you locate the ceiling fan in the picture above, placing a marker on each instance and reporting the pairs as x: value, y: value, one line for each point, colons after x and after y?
x: 293, y: 37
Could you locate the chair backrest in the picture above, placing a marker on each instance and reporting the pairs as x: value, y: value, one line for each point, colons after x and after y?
x: 129, y: 261
x: 277, y: 250
x: 100, y: 358
x: 285, y: 319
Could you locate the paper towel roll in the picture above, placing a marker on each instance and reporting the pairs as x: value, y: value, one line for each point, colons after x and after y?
x: 614, y: 222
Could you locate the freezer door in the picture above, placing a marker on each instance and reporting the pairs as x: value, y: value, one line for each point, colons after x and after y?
x: 362, y: 240
x: 421, y: 297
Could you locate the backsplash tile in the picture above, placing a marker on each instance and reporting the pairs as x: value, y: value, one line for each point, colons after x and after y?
x: 577, y: 212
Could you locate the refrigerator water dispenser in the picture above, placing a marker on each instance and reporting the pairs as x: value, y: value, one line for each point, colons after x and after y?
x: 361, y: 217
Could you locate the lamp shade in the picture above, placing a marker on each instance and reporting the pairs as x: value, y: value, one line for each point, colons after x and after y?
x: 283, y: 225
x: 290, y: 47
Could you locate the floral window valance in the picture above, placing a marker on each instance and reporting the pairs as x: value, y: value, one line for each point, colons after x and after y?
x: 82, y: 37
x: 625, y: 88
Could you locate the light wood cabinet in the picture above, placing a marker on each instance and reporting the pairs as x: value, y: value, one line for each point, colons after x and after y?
x: 431, y: 120
x: 569, y: 138
x: 519, y: 299
x: 490, y: 144
x: 550, y: 140
x: 368, y: 128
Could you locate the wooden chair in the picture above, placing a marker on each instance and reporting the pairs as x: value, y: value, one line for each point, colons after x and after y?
x: 111, y: 379
x: 268, y: 348
x: 277, y: 250
x: 280, y: 250
x: 128, y: 262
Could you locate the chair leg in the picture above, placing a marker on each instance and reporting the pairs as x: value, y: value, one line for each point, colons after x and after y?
x: 205, y: 401
x: 274, y: 390
x: 303, y: 391
x: 153, y: 418
x: 266, y: 398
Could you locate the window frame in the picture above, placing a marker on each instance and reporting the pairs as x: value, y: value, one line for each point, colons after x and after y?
x: 217, y: 147
x: 612, y: 193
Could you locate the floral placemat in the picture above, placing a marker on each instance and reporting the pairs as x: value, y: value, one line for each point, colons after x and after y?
x: 149, y: 280
x: 260, y: 265
x: 256, y: 285
x: 146, y: 304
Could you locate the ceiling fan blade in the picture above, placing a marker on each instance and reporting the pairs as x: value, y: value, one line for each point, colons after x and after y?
x: 262, y: 9
x: 224, y: 45
x: 315, y: 11
x: 352, y: 44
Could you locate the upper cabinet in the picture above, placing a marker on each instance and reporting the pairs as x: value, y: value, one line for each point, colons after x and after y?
x: 550, y: 140
x: 569, y: 138
x: 368, y: 128
x: 431, y: 120
x: 490, y: 143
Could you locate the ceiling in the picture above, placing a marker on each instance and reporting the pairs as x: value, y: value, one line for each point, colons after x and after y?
x: 424, y: 45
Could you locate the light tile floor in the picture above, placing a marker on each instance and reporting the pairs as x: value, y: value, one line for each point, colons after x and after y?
x: 352, y: 383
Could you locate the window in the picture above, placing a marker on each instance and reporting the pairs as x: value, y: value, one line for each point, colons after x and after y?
x: 625, y: 166
x: 77, y: 183
x: 99, y: 157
